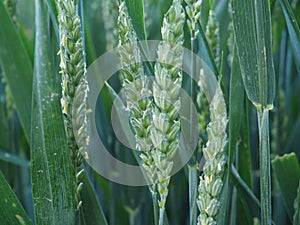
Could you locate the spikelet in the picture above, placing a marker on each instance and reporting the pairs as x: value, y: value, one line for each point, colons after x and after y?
x: 166, y: 87
x: 211, y: 182
x: 212, y: 34
x: 193, y: 11
x: 203, y: 115
x: 136, y: 86
x: 110, y: 16
x: 74, y: 85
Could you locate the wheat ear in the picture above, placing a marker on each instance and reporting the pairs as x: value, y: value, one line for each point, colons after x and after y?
x: 211, y: 182
x: 74, y: 86
x: 136, y: 86
x: 166, y: 87
x: 212, y: 33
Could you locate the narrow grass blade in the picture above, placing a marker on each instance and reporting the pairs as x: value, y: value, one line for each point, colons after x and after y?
x: 236, y: 103
x: 244, y: 168
x: 122, y: 113
x: 53, y: 15
x: 14, y: 159
x: 11, y: 210
x: 91, y: 208
x: 17, y: 68
x: 294, y: 31
x: 242, y: 185
x: 51, y: 169
x: 252, y: 28
x: 287, y: 172
x: 136, y: 12
x: 204, y: 51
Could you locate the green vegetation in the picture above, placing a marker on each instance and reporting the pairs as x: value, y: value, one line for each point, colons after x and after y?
x: 247, y: 122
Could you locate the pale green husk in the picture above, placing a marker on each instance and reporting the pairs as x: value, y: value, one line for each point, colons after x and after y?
x: 166, y: 87
x: 136, y: 86
x: 211, y: 181
x: 74, y: 85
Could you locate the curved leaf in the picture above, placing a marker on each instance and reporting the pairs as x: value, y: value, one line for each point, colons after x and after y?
x: 293, y: 29
x: 17, y: 68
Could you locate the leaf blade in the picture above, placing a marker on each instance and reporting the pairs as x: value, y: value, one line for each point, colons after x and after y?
x: 96, y: 215
x: 136, y: 12
x: 11, y: 210
x: 252, y: 26
x: 287, y: 164
x: 293, y: 29
x: 51, y: 168
x: 17, y: 68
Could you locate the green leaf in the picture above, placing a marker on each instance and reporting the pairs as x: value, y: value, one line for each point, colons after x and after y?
x: 293, y: 29
x: 252, y: 26
x: 236, y: 103
x: 14, y: 159
x: 51, y: 168
x: 237, y: 111
x: 204, y: 51
x: 11, y: 210
x: 136, y: 12
x: 287, y: 172
x: 53, y: 15
x: 244, y: 167
x: 17, y: 68
x: 235, y: 108
x: 91, y: 208
x: 242, y: 185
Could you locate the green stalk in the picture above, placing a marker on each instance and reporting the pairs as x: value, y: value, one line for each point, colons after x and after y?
x: 131, y: 218
x: 192, y: 169
x: 155, y: 208
x: 265, y: 173
x: 193, y: 72
x: 193, y: 12
x: 193, y: 184
x: 161, y: 216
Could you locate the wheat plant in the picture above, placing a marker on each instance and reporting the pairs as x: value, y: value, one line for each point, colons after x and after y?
x: 237, y: 61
